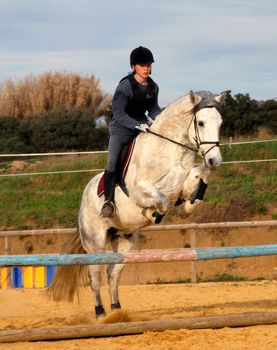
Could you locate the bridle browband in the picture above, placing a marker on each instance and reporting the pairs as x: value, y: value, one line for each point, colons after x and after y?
x: 201, y: 105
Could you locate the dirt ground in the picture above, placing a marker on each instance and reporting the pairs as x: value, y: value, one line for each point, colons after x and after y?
x: 30, y: 308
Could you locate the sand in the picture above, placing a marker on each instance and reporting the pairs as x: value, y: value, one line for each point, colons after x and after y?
x: 27, y: 308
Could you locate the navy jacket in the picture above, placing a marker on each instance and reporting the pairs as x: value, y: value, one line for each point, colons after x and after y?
x: 130, y: 103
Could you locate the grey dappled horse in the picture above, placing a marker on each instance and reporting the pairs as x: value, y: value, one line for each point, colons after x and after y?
x: 161, y: 171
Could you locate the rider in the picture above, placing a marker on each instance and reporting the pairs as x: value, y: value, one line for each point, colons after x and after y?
x: 135, y: 95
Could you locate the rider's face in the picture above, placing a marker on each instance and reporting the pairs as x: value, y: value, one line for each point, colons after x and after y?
x: 143, y: 70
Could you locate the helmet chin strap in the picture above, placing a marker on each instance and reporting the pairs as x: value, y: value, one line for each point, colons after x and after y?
x: 144, y: 79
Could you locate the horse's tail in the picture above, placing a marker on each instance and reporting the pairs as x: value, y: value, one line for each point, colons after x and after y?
x: 66, y: 281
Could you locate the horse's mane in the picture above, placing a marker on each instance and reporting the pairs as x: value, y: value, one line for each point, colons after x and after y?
x: 184, y: 104
x: 181, y: 105
x: 180, y: 101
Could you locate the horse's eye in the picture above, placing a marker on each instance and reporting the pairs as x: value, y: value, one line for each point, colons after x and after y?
x: 201, y: 124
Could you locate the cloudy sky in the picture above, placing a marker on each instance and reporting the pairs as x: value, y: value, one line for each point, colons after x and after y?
x: 211, y: 45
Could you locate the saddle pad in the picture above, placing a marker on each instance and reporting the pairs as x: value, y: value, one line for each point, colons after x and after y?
x: 123, y: 171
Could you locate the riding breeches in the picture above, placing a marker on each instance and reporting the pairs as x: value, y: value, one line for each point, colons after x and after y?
x: 118, y: 146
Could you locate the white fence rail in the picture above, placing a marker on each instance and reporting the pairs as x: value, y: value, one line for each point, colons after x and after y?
x: 210, y: 225
x: 230, y: 144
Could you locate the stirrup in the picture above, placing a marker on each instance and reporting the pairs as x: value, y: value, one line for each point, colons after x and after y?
x: 108, y: 209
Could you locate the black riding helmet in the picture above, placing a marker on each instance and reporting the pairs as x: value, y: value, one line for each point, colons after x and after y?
x: 141, y: 55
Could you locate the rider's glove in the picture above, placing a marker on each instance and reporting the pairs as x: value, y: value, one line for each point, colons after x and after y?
x: 142, y: 127
x: 149, y: 120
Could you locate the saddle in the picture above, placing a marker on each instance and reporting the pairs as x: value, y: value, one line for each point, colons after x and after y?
x: 121, y: 172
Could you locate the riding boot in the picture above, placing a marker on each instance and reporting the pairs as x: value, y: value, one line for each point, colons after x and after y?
x: 108, y: 207
x: 119, y: 169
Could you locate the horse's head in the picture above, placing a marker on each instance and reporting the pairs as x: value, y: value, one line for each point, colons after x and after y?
x: 205, y: 125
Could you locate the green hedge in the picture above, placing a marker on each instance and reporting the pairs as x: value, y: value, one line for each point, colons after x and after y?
x: 245, y: 116
x: 55, y: 130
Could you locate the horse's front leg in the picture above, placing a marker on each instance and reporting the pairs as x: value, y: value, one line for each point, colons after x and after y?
x: 152, y: 200
x: 194, y: 188
x: 122, y: 242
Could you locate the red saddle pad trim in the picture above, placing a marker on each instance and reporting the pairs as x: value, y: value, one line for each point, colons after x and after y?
x: 100, y: 187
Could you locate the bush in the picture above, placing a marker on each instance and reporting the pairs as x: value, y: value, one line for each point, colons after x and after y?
x: 56, y: 130
x: 9, y: 137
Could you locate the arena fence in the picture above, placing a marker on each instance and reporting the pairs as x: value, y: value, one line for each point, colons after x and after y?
x: 142, y: 256
x: 31, y: 275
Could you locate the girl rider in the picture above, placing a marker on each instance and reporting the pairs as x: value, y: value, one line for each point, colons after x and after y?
x: 135, y: 95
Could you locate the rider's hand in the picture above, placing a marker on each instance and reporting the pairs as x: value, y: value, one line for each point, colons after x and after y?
x: 149, y: 120
x: 142, y: 127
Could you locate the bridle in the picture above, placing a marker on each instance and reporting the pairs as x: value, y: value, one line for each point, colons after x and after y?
x: 201, y: 105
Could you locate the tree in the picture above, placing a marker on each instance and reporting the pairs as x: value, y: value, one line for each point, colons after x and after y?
x: 244, y: 116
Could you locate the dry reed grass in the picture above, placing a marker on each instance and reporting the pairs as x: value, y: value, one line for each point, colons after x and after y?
x: 34, y: 95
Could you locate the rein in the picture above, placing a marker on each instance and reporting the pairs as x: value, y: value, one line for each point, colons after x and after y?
x: 191, y: 148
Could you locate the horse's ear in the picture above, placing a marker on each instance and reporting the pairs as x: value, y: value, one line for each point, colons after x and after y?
x: 220, y: 98
x: 192, y: 97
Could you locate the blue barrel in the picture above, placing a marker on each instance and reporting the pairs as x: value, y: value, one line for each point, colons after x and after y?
x: 17, y: 277
x: 50, y: 274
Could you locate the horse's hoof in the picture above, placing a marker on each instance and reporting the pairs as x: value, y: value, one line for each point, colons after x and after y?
x: 179, y: 202
x: 189, y: 208
x: 116, y: 306
x: 158, y: 217
x: 199, y: 192
x: 99, y: 311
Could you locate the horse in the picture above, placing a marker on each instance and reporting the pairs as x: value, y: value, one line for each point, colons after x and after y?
x: 161, y: 171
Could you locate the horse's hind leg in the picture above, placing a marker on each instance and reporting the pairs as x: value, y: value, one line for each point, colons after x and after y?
x: 94, y: 272
x: 122, y: 242
x: 95, y: 243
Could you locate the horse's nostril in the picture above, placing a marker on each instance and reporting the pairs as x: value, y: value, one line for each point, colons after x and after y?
x: 211, y: 162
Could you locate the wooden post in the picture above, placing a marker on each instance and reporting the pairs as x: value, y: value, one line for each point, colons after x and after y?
x: 193, y: 263
x: 7, y: 248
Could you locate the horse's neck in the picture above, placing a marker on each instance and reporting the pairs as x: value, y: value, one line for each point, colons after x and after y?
x: 173, y: 122
x: 155, y: 158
